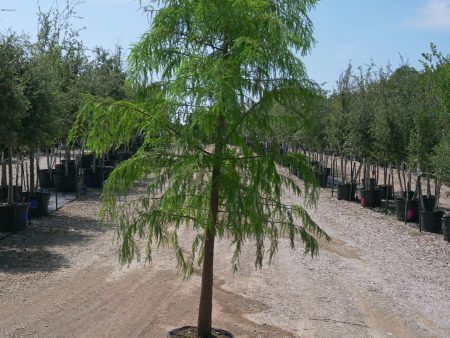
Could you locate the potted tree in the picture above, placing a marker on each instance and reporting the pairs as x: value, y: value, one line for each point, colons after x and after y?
x: 13, y: 108
x: 216, y: 88
x: 434, y: 155
x: 339, y: 129
x: 38, y: 127
x: 104, y: 76
x: 361, y: 138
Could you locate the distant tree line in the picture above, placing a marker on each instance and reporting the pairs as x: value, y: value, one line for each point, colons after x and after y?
x: 42, y: 82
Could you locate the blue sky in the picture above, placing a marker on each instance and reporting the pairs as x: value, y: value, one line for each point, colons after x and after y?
x: 356, y: 30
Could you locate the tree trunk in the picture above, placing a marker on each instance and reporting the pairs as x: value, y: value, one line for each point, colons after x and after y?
x: 400, y: 178
x: 32, y: 176
x: 10, y: 185
x: 4, y: 180
x: 67, y: 159
x: 206, y: 295
x: 94, y: 159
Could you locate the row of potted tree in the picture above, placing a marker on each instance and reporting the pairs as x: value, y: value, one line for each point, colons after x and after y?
x: 382, y: 125
x: 42, y: 84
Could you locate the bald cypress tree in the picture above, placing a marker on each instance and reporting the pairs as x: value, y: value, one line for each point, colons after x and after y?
x: 207, y: 74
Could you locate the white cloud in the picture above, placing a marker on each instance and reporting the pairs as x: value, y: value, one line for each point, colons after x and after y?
x: 435, y: 14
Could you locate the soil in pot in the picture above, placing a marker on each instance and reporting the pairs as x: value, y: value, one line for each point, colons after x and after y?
x: 191, y: 332
x: 13, y: 217
x: 65, y: 183
x: 428, y: 202
x: 370, y: 198
x: 412, y: 210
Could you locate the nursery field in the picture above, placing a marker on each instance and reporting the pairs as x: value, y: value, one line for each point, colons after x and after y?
x: 377, y: 277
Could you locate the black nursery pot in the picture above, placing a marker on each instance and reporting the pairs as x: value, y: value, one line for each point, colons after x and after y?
x: 346, y: 192
x: 107, y: 171
x: 191, y: 331
x: 409, y: 193
x: 322, y: 177
x: 431, y: 221
x: 446, y: 227
x: 370, y: 198
x: 86, y: 161
x: 13, y: 217
x: 428, y: 202
x: 38, y: 204
x: 95, y: 179
x: 17, y: 192
x: 386, y: 191
x: 45, y: 180
x: 412, y: 210
x: 125, y: 155
x: 372, y: 183
x: 65, y: 183
x: 60, y: 169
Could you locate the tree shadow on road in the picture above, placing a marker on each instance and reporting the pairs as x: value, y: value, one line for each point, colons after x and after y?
x: 38, y: 247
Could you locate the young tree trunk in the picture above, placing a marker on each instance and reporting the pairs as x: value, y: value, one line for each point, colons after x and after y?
x: 4, y: 180
x: 48, y: 159
x: 38, y: 167
x: 94, y: 159
x: 32, y: 176
x: 67, y: 159
x: 10, y: 183
x: 400, y: 178
x: 206, y: 295
x: 17, y: 172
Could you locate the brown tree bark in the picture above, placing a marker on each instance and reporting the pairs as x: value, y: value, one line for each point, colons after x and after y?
x: 206, y: 294
x: 10, y: 183
x: 32, y: 173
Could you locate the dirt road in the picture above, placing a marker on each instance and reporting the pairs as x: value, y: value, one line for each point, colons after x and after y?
x: 377, y: 278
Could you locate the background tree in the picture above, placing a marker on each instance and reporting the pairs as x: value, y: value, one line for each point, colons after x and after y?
x: 221, y: 66
x: 104, y: 75
x: 13, y: 101
x: 437, y: 67
x: 59, y: 40
x: 39, y: 127
x: 339, y: 119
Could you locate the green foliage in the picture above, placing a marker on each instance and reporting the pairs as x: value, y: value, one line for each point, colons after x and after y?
x: 221, y: 66
x: 40, y: 125
x: 104, y: 75
x: 13, y: 101
x: 396, y: 99
x: 394, y: 116
x: 362, y: 113
x: 340, y: 101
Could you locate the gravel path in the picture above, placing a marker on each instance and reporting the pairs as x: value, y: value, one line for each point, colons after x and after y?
x: 376, y: 278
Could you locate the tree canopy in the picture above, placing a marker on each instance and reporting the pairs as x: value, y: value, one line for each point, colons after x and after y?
x: 208, y: 74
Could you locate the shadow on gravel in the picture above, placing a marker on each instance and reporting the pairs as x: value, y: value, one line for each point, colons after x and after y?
x: 32, y: 250
x: 17, y: 261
